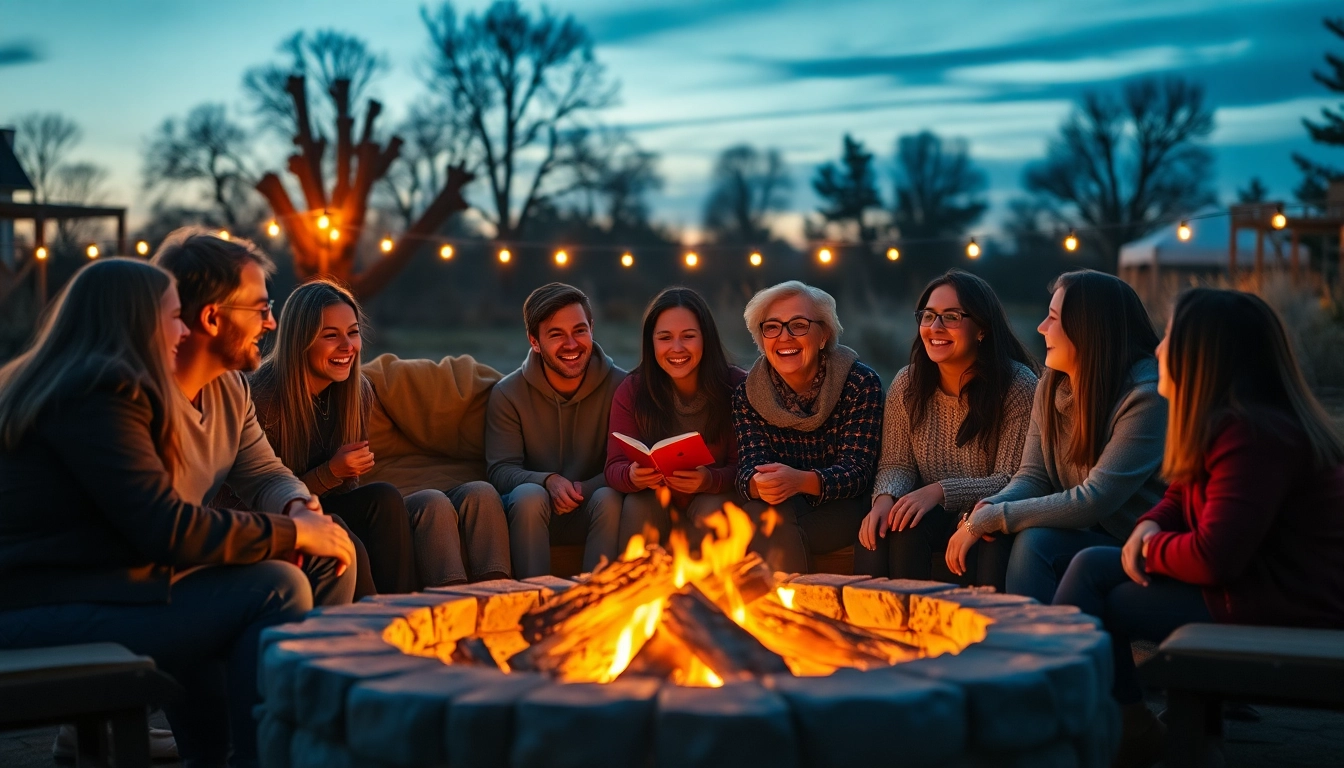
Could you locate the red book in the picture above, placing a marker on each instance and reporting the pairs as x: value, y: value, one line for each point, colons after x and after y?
x: 686, y: 451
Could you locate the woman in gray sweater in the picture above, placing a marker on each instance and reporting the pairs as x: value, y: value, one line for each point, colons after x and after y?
x: 955, y: 423
x: 1094, y: 447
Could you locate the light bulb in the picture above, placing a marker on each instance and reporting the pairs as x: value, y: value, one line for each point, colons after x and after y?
x: 561, y: 258
x: 142, y: 248
x: 755, y: 259
x: 40, y: 253
x: 973, y: 249
x: 893, y: 254
x: 1183, y: 231
x: 323, y: 221
x: 92, y: 251
x: 335, y: 235
x: 224, y: 234
x: 273, y: 229
x: 385, y: 245
x: 1071, y: 242
x: 627, y: 260
x: 504, y: 256
x: 824, y: 256
x: 446, y: 252
x: 692, y: 259
x: 1279, y: 221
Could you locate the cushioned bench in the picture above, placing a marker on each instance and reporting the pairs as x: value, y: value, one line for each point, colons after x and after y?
x: 104, y: 689
x: 1200, y: 665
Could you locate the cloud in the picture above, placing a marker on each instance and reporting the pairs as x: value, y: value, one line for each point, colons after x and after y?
x: 20, y: 52
x: 629, y: 24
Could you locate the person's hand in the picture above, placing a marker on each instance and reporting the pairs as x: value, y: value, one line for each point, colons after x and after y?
x: 913, y: 506
x: 1132, y: 555
x: 961, y: 542
x: 875, y: 524
x: 352, y: 460
x: 777, y: 483
x: 695, y: 480
x: 566, y: 495
x: 318, y: 535
x: 645, y: 477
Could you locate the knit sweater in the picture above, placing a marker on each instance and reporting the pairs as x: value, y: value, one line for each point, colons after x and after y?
x: 840, y: 440
x: 1048, y: 491
x: 323, y: 443
x: 915, y: 457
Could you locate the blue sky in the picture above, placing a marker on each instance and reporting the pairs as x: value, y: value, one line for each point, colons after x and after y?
x: 700, y: 75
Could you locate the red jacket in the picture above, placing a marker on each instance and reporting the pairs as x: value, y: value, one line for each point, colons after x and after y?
x: 723, y: 473
x: 1263, y: 534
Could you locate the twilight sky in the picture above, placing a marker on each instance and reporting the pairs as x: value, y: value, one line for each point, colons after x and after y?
x: 700, y: 75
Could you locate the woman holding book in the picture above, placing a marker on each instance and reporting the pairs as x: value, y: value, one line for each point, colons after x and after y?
x: 96, y: 545
x: 683, y: 383
x: 809, y: 428
x: 1094, y: 446
x: 313, y: 403
x: 1251, y: 530
x: 954, y: 426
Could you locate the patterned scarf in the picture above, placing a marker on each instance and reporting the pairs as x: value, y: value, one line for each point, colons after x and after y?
x: 804, y: 403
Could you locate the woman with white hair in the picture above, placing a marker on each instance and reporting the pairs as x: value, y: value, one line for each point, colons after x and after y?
x: 809, y: 428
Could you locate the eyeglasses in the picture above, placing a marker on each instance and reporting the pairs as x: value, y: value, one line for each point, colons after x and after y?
x: 797, y: 326
x: 267, y: 312
x: 951, y: 318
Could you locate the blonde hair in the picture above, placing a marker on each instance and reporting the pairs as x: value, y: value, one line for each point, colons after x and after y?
x: 823, y: 306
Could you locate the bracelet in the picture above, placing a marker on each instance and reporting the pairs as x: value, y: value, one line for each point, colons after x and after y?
x: 966, y: 523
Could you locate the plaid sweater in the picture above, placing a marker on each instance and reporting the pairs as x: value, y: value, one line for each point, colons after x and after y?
x: 843, y: 449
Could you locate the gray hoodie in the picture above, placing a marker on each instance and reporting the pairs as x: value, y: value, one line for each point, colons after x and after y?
x: 531, y: 432
x: 1049, y: 492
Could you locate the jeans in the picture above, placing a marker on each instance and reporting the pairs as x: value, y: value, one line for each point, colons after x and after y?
x: 919, y: 552
x: 642, y: 513
x: 1098, y: 585
x: 1041, y: 555
x: 440, y: 522
x: 376, y: 514
x: 803, y: 529
x: 206, y: 637
x: 533, y: 525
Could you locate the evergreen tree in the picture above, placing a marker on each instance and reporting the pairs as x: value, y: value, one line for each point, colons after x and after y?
x: 849, y: 188
x: 1330, y: 131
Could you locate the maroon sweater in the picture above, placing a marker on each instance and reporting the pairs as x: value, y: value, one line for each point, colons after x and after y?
x: 724, y: 450
x: 1262, y: 534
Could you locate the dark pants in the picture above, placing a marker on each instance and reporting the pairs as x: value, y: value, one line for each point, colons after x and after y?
x: 1041, y: 555
x: 919, y: 552
x: 803, y: 530
x: 1098, y: 585
x: 533, y: 525
x: 207, y: 638
x: 376, y: 514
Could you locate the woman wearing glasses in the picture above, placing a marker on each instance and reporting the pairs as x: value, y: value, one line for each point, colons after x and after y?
x: 1094, y: 448
x: 955, y: 423
x: 809, y: 426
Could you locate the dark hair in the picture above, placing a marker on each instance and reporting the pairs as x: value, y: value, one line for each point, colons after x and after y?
x: 654, y: 408
x: 1110, y: 331
x: 550, y: 298
x: 208, y: 268
x: 1227, y: 351
x: 993, y: 370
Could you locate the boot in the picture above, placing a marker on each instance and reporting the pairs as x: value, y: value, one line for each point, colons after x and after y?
x: 1142, y: 737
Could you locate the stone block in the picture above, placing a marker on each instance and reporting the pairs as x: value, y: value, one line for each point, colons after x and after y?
x: 314, y: 628
x: 279, y: 665
x: 321, y: 686
x: 274, y: 737
x: 885, y: 603
x: 308, y: 750
x: 400, y: 719
x: 820, y: 592
x: 1055, y: 640
x: 1035, y: 614
x: 1100, y: 740
x: 501, y: 603
x: 480, y: 724
x: 586, y: 725
x: 742, y: 725
x: 874, y: 718
x: 1010, y: 697
x: 1058, y: 754
x: 957, y: 613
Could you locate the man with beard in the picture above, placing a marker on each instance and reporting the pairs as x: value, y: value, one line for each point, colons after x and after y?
x: 225, y: 305
x: 546, y: 436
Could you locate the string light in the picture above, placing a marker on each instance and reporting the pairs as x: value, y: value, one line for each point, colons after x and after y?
x: 627, y: 260
x: 224, y: 234
x: 92, y: 251
x: 335, y: 235
x: 40, y: 254
x: 323, y: 221
x: 385, y: 245
x: 1183, y: 231
x: 1279, y: 221
x: 893, y: 254
x: 561, y: 258
x: 273, y: 229
x: 446, y: 252
x: 824, y: 256
x: 142, y: 248
x: 973, y: 249
x: 504, y: 256
x: 755, y: 258
x: 692, y: 259
x: 1071, y: 242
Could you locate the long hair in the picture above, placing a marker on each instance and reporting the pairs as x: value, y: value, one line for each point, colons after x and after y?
x: 1110, y: 331
x: 1226, y: 352
x: 106, y: 317
x: 294, y: 421
x: 993, y: 368
x: 655, y: 410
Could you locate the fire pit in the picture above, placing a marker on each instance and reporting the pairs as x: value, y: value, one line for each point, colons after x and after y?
x: 668, y: 659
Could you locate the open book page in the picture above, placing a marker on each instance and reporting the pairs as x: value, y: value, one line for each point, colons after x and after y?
x: 675, y: 453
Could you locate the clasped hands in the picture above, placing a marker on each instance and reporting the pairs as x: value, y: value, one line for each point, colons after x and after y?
x: 890, y: 514
x: 682, y: 481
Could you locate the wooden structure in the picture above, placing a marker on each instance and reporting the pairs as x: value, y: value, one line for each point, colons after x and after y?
x: 1269, y: 217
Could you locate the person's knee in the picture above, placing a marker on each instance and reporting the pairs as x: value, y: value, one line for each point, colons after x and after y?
x: 528, y: 506
x: 287, y: 583
x: 606, y: 506
x: 430, y: 507
x: 480, y: 500
x: 385, y: 497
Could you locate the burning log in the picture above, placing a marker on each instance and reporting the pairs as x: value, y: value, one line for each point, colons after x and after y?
x: 750, y: 575
x: 812, y: 642
x: 611, y: 591
x: 730, y: 651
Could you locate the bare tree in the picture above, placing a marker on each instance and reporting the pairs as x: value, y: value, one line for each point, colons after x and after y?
x: 207, y: 147
x: 436, y: 136
x: 77, y: 184
x: 322, y: 58
x: 523, y: 82
x: 937, y: 187
x: 746, y: 187
x: 849, y: 189
x: 42, y: 142
x: 611, y: 178
x: 1124, y: 165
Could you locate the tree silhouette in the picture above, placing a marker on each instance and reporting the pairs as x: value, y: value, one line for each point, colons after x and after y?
x: 42, y: 142
x: 1330, y: 131
x: 849, y: 189
x: 937, y: 187
x: 1123, y: 164
x: 747, y: 186
x: 207, y: 147
x: 436, y: 137
x: 1255, y: 191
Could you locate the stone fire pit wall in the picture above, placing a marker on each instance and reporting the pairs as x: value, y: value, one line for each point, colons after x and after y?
x: 362, y: 685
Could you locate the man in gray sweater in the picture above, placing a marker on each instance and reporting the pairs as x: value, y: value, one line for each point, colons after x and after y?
x: 546, y: 436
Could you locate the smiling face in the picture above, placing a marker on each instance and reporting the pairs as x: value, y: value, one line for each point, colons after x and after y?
x: 565, y: 344
x: 795, y: 359
x: 171, y: 328
x: 332, y: 355
x: 1060, y: 353
x: 953, y: 347
x: 678, y: 344
x: 239, y: 342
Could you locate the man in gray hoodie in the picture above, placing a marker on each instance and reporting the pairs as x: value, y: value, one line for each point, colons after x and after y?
x: 546, y: 436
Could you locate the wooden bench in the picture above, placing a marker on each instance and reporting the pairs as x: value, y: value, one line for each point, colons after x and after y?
x: 104, y: 689
x: 1200, y: 665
